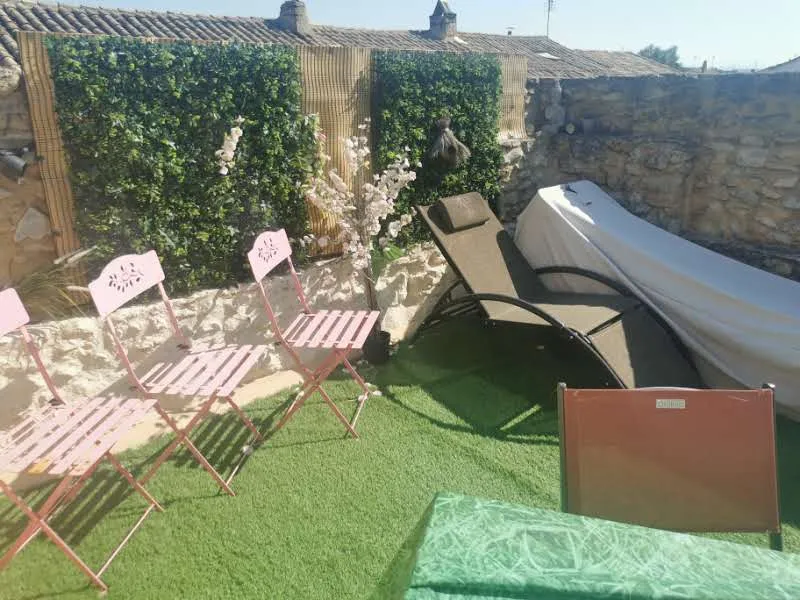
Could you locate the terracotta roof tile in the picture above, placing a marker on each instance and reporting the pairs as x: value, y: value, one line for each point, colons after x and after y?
x: 546, y: 59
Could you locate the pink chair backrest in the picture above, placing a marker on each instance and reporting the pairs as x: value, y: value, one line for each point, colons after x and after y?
x: 123, y: 279
x: 12, y: 313
x: 269, y: 250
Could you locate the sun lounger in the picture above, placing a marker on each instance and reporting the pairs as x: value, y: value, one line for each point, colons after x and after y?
x: 637, y: 348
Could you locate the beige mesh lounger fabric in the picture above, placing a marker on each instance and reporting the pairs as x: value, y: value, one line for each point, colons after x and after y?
x: 637, y: 348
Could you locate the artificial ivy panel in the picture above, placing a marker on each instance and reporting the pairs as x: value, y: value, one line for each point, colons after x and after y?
x: 414, y: 89
x: 141, y: 122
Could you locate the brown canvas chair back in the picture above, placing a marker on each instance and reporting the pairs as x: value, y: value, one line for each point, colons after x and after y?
x: 678, y: 459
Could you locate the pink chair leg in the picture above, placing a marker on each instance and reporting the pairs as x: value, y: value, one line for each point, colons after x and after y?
x: 359, y: 380
x: 336, y: 411
x: 309, y: 378
x: 362, y: 400
x: 32, y: 529
x: 132, y: 480
x: 54, y: 537
x: 315, y: 384
x: 245, y: 419
x: 181, y: 437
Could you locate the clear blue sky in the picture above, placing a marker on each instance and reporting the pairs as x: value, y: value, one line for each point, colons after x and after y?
x: 728, y: 33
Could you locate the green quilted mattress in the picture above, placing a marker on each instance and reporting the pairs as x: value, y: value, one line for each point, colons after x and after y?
x: 470, y: 548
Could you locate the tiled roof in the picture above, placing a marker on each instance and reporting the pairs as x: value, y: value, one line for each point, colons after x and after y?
x: 790, y: 66
x: 546, y: 58
x: 624, y: 63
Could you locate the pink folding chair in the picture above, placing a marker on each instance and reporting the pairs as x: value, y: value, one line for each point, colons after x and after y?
x: 67, y: 441
x: 339, y: 332
x: 212, y: 373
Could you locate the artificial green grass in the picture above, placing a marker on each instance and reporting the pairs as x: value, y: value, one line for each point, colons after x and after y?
x: 467, y: 409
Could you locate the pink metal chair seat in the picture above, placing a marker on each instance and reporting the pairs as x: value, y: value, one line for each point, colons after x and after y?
x: 210, y: 373
x: 69, y: 439
x: 217, y: 371
x: 331, y: 329
x: 64, y: 440
x: 340, y: 332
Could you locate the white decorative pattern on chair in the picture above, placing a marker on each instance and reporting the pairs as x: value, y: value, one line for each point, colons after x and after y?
x: 123, y: 279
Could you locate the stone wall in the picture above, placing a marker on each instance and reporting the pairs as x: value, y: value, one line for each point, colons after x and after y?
x: 713, y: 158
x: 79, y: 354
x: 26, y: 243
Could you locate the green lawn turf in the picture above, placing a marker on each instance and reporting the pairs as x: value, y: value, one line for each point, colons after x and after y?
x: 466, y: 409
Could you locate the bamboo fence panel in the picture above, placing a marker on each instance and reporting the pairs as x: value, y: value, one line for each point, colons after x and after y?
x: 337, y: 86
x: 512, y: 111
x: 49, y: 145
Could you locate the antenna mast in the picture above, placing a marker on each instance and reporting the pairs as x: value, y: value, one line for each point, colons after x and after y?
x: 551, y: 4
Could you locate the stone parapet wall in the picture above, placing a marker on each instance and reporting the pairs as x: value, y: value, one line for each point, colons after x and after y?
x: 15, y: 122
x: 713, y: 158
x: 80, y: 356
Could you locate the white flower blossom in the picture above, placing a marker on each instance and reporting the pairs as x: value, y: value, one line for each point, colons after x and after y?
x: 364, y: 213
x: 227, y: 153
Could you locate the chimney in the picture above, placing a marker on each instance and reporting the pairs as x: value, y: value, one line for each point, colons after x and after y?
x: 294, y: 17
x: 443, y: 22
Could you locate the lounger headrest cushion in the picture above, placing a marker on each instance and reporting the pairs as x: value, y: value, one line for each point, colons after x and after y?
x: 462, y: 212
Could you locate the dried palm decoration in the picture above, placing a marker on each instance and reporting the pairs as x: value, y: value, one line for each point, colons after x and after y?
x: 447, y: 146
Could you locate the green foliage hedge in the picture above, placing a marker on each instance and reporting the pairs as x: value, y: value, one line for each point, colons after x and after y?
x: 413, y: 89
x: 141, y: 122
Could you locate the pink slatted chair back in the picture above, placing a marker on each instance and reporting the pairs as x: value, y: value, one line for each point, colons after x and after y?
x: 12, y: 312
x: 269, y: 250
x: 679, y: 459
x: 123, y: 279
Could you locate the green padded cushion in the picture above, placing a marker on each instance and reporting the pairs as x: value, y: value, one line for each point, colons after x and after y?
x: 485, y: 549
x: 462, y: 212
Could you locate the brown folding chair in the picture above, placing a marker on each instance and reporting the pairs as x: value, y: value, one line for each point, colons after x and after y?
x: 67, y: 441
x: 672, y: 458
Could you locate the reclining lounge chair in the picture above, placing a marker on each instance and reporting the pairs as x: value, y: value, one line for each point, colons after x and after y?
x: 634, y: 344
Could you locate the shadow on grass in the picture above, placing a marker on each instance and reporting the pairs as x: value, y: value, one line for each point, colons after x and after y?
x: 102, y: 494
x: 499, y: 380
x: 219, y: 438
x: 396, y: 578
